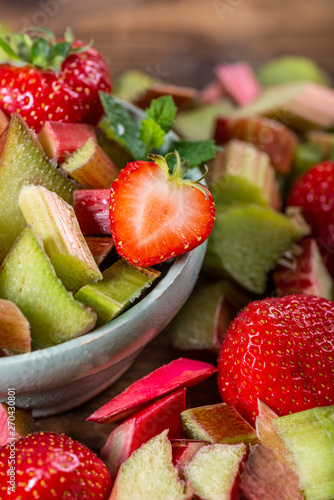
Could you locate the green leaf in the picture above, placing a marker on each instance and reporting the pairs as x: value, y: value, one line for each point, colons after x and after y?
x: 58, y: 54
x: 123, y: 125
x: 8, y: 50
x: 196, y: 152
x: 163, y: 112
x: 152, y: 135
x: 40, y: 52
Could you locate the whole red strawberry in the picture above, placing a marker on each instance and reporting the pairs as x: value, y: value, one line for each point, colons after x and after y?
x: 280, y: 350
x: 156, y: 215
x: 49, y: 466
x: 53, y: 80
x: 314, y: 192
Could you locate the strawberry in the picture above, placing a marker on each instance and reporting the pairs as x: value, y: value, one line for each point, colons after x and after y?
x: 156, y: 215
x: 48, y: 465
x: 280, y: 350
x: 54, y: 80
x: 314, y: 192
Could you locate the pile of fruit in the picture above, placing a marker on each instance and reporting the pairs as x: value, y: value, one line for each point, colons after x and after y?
x: 76, y: 198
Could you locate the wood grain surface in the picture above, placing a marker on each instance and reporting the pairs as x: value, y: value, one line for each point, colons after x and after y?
x: 179, y: 41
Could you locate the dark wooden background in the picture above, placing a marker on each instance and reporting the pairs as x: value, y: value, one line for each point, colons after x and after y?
x: 178, y: 41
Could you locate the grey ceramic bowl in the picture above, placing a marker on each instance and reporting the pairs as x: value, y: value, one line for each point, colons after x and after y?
x: 59, y: 378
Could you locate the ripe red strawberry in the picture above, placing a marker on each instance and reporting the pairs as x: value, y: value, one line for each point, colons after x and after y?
x: 156, y: 215
x: 51, y: 80
x: 314, y: 192
x: 280, y: 350
x: 48, y: 465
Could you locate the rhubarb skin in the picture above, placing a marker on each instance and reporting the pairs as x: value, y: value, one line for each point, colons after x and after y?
x: 184, y: 97
x: 91, y: 207
x: 4, y: 120
x: 15, y: 335
x: 239, y: 81
x: 265, y: 478
x: 59, y: 140
x: 100, y: 247
x: 219, y: 423
x: 183, y: 450
x: 270, y: 136
x: 304, y: 273
x: 24, y: 424
x: 181, y: 372
x: 138, y: 429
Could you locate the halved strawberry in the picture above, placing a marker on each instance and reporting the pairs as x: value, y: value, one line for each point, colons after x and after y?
x: 156, y: 215
x: 48, y: 465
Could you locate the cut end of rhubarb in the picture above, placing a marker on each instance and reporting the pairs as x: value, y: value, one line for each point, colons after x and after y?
x: 14, y: 329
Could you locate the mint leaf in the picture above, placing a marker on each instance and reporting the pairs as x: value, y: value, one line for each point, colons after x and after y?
x: 123, y: 125
x: 196, y: 152
x: 151, y: 134
x: 162, y: 111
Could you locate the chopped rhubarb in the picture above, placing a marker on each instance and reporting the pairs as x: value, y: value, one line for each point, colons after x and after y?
x: 91, y: 206
x: 184, y: 97
x: 266, y: 478
x: 270, y: 136
x: 59, y: 140
x: 181, y: 372
x: 138, y: 429
x: 14, y: 329
x: 212, y: 92
x: 304, y: 272
x: 214, y: 471
x: 4, y: 120
x: 149, y: 474
x: 243, y: 173
x: 20, y: 424
x: 184, y: 450
x: 219, y: 423
x: 239, y: 81
x: 100, y: 246
x: 54, y: 221
x: 91, y: 167
x: 324, y: 141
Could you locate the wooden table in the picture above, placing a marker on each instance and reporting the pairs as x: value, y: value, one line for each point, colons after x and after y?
x: 179, y: 41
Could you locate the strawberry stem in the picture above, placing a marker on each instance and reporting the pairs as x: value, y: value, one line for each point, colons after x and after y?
x: 40, y: 48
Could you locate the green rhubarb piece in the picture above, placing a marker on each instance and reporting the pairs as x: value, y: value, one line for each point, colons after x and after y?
x: 247, y: 241
x: 324, y: 141
x: 122, y: 283
x: 292, y: 69
x: 309, y: 436
x: 246, y: 176
x: 55, y: 223
x: 214, y: 471
x: 203, y: 320
x: 198, y: 124
x: 27, y: 278
x: 132, y: 84
x: 23, y: 162
x: 219, y: 423
x: 306, y: 156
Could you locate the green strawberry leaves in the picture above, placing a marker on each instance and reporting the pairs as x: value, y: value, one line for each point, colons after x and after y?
x: 150, y: 134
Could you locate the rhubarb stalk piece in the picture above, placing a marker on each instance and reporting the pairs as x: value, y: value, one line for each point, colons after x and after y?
x: 183, y: 450
x: 239, y: 81
x: 91, y: 167
x: 23, y: 162
x: 324, y: 141
x: 91, y: 207
x: 214, y: 471
x: 149, y: 473
x: 20, y: 423
x: 14, y: 329
x: 269, y: 136
x: 243, y: 173
x: 59, y: 140
x: 304, y: 272
x: 219, y: 423
x: 266, y: 478
x: 54, y: 221
x: 100, y: 247
x: 3, y: 121
x: 121, y: 284
x: 309, y: 437
x: 28, y: 279
x: 138, y: 429
x: 181, y: 372
x: 184, y: 97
